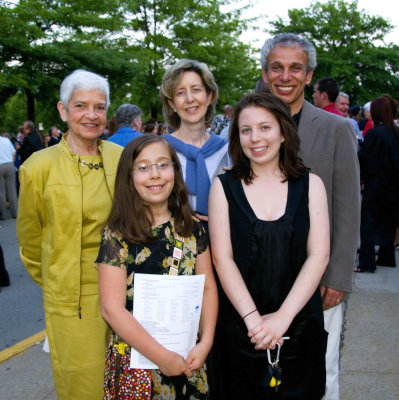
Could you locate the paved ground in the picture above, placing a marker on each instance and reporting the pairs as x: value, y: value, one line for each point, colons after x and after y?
x: 21, y: 309
x: 370, y: 353
x: 369, y: 359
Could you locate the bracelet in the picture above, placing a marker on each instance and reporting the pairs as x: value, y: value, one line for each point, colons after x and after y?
x: 245, y: 316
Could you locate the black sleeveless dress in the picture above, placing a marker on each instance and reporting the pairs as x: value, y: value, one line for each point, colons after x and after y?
x: 269, y: 255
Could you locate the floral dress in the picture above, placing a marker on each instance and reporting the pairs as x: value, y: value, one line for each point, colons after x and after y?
x: 149, y: 258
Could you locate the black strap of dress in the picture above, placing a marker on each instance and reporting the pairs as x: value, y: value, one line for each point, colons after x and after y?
x: 236, y: 191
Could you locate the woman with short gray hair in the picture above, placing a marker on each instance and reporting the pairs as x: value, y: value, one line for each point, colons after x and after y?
x: 65, y: 197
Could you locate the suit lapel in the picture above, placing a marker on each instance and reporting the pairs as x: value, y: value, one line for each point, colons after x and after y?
x: 307, y: 129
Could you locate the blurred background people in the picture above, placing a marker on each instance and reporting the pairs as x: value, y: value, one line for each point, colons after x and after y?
x: 33, y: 141
x: 325, y: 94
x: 164, y: 128
x: 112, y: 127
x: 342, y: 105
x: 20, y: 135
x: 54, y: 134
x: 367, y: 122
x: 379, y: 167
x: 46, y: 139
x: 128, y: 118
x: 151, y: 126
x: 222, y: 121
x: 8, y: 188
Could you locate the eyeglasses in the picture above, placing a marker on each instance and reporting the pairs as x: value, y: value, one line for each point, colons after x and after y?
x: 160, y: 166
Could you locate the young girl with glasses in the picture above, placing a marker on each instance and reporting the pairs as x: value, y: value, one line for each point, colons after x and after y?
x: 150, y: 213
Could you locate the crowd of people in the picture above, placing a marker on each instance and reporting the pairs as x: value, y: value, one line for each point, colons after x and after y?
x: 264, y: 200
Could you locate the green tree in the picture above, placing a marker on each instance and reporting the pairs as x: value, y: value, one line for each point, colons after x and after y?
x: 350, y: 47
x: 167, y: 30
x: 131, y: 42
x: 41, y: 41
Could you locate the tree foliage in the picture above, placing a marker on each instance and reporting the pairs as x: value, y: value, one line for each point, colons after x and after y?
x: 41, y: 41
x: 167, y: 30
x: 350, y: 47
x: 131, y: 42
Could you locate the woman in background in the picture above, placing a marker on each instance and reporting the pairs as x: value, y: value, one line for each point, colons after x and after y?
x: 379, y: 170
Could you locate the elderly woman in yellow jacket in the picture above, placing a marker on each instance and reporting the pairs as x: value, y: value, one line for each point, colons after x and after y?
x: 65, y: 198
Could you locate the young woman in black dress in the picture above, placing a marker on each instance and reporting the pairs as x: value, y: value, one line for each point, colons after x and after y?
x: 269, y: 230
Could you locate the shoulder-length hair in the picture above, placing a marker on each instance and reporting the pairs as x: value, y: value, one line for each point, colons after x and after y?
x: 129, y: 216
x: 289, y: 161
x: 382, y: 113
x: 173, y: 77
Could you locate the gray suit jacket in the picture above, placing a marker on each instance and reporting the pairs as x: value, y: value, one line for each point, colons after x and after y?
x: 329, y: 149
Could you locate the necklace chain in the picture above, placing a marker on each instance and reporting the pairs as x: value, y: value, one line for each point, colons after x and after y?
x: 84, y: 163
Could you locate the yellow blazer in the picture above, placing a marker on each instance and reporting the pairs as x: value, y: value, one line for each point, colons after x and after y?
x: 50, y: 220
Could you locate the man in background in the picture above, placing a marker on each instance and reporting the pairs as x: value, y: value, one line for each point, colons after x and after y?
x: 342, y: 105
x: 128, y: 117
x: 33, y: 141
x: 325, y: 93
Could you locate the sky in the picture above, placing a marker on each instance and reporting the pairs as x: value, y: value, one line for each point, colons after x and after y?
x: 382, y: 8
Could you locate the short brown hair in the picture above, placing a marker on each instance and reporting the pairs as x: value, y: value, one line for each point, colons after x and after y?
x: 173, y: 77
x: 128, y: 215
x: 289, y: 162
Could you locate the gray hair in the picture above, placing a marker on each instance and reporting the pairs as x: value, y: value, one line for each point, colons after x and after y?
x: 343, y: 94
x: 30, y: 125
x: 83, y: 80
x: 173, y: 77
x: 126, y: 114
x: 289, y: 40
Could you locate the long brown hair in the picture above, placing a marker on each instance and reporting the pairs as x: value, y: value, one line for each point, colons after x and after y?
x: 381, y: 112
x: 289, y: 161
x: 129, y: 214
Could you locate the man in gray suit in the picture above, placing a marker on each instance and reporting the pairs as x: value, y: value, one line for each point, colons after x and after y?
x: 328, y: 148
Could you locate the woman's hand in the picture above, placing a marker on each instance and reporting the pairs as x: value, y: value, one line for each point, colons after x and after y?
x: 270, y: 331
x: 174, y: 364
x: 197, y: 356
x: 202, y: 217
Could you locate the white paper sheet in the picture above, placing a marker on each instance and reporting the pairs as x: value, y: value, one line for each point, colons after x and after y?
x: 169, y: 308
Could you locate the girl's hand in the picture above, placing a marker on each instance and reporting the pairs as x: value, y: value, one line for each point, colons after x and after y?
x: 197, y: 356
x: 174, y: 364
x: 270, y: 331
x: 253, y: 320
